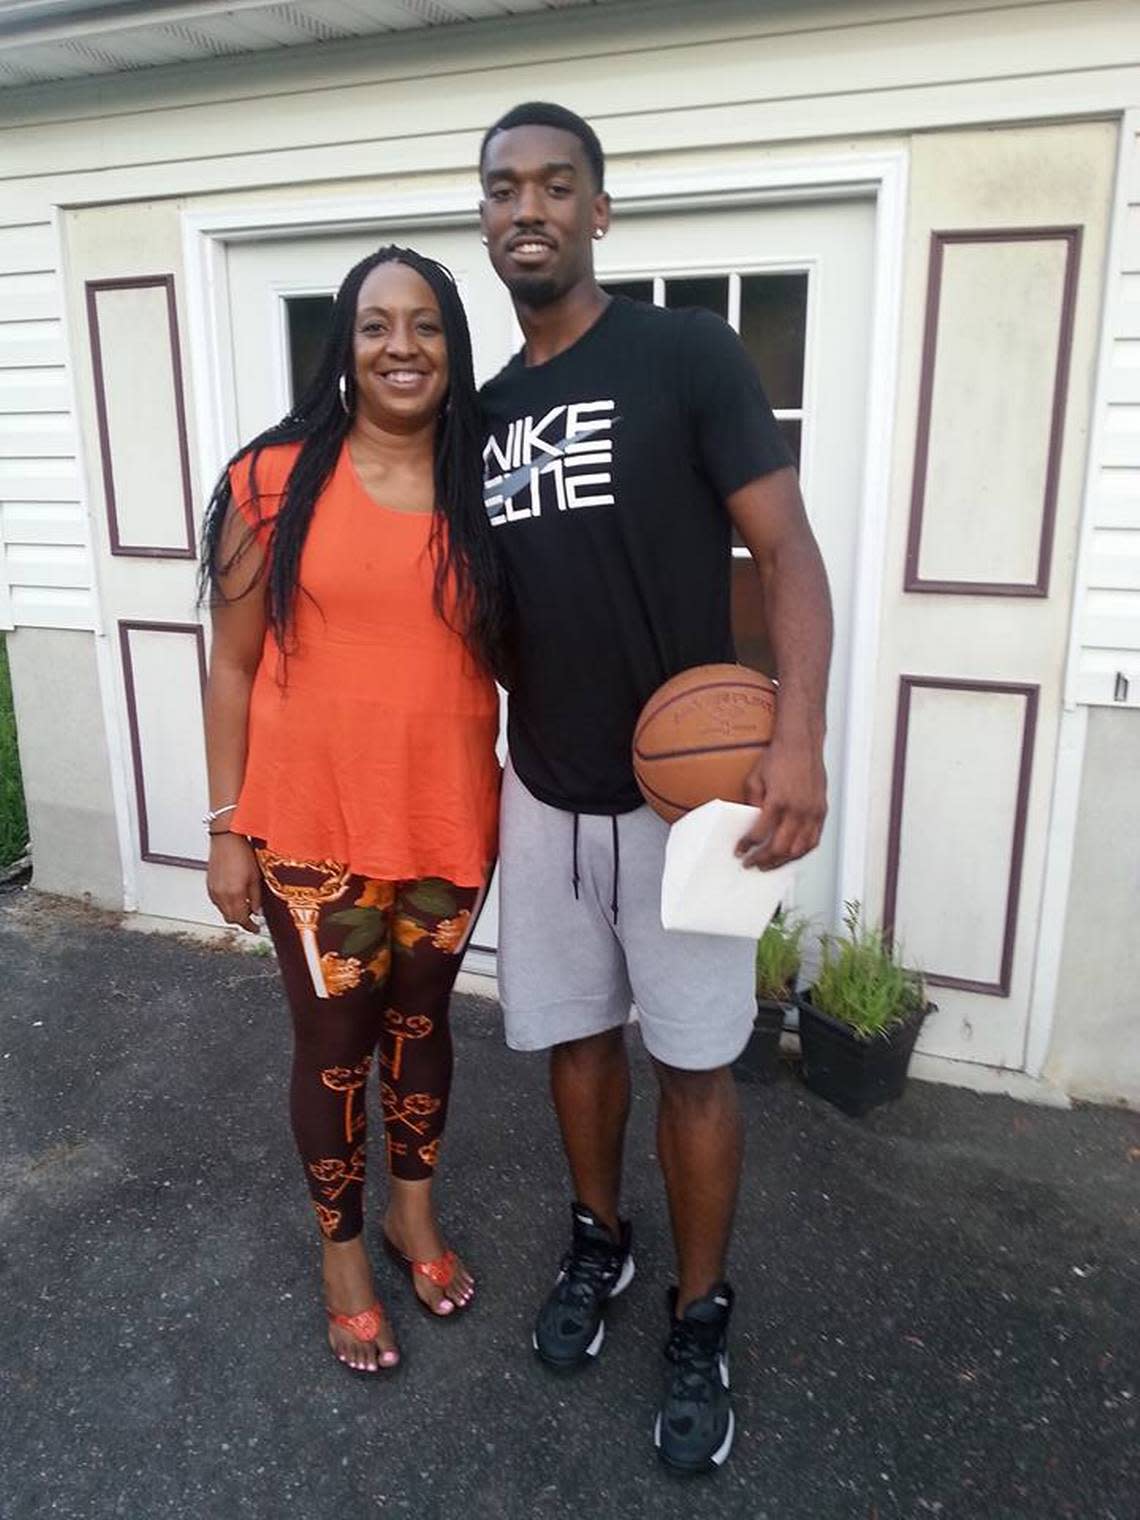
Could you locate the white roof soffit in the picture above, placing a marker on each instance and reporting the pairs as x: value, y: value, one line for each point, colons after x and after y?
x: 43, y: 40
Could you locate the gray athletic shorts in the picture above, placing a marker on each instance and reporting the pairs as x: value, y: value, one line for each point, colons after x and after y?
x: 567, y: 969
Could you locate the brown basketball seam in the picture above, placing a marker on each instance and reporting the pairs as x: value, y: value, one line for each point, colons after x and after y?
x: 708, y: 749
x: 708, y: 686
x: 651, y: 717
x: 682, y: 807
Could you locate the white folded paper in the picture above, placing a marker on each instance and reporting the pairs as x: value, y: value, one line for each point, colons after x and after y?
x: 705, y: 889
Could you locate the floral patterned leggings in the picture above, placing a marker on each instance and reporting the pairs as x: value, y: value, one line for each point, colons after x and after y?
x: 368, y: 968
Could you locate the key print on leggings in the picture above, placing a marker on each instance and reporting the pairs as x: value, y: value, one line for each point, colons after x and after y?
x: 368, y: 967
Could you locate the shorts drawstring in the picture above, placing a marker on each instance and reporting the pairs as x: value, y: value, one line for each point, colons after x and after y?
x: 576, y: 878
x: 617, y: 864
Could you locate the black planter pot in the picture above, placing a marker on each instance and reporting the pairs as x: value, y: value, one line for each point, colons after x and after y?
x: 759, y: 1061
x: 856, y: 1075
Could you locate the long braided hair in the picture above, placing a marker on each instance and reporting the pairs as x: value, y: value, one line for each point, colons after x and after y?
x: 466, y: 564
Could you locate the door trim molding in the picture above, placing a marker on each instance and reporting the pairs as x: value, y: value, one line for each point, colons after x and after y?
x: 127, y: 626
x: 914, y: 580
x: 881, y: 176
x: 93, y: 289
x: 1000, y: 985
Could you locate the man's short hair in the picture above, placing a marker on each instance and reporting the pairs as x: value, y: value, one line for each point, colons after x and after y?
x: 542, y: 113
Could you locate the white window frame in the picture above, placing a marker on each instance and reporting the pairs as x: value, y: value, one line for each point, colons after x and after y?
x: 662, y: 272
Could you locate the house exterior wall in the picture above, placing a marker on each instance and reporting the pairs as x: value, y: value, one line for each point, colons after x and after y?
x: 715, y: 75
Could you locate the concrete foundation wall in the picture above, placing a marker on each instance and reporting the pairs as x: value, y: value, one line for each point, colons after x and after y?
x: 1095, y: 1051
x: 63, y: 754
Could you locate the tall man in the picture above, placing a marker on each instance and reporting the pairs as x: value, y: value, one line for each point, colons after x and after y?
x: 624, y: 443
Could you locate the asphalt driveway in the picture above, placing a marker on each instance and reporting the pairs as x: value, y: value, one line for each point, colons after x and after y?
x: 939, y: 1306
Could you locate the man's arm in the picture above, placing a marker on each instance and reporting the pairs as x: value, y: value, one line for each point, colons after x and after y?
x: 788, y: 783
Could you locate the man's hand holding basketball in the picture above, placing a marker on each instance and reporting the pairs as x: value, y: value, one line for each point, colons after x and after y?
x: 788, y: 784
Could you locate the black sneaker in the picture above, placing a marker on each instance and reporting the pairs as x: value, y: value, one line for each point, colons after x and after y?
x: 695, y: 1425
x: 570, y: 1328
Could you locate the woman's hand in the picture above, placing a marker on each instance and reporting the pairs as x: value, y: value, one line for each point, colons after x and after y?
x: 233, y: 881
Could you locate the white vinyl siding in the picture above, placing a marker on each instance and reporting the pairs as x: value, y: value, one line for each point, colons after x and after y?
x: 45, y: 564
x: 1105, y: 668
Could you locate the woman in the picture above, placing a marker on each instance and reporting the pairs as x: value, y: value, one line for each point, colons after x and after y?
x: 350, y: 729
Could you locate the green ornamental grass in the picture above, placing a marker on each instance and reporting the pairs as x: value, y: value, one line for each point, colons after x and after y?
x: 861, y: 980
x: 778, y: 956
x: 13, y: 818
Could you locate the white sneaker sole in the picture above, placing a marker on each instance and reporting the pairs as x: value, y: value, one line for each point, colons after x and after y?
x: 625, y: 1277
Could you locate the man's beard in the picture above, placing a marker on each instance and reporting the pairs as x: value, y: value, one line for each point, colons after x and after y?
x: 535, y: 290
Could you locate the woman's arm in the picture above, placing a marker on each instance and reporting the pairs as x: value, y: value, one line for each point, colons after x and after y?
x: 238, y: 619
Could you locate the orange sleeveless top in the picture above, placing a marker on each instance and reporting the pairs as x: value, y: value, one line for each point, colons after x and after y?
x: 373, y: 743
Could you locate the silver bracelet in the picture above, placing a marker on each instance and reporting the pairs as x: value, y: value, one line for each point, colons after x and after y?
x: 216, y: 813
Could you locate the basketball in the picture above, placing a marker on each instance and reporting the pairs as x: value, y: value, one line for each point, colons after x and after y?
x: 698, y: 737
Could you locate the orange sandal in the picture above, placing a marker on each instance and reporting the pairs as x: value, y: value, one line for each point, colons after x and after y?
x: 441, y: 1272
x: 363, y: 1327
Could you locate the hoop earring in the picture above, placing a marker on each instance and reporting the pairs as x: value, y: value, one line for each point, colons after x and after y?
x: 342, y: 387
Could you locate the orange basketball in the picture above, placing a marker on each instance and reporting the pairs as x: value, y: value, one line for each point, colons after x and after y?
x: 698, y: 736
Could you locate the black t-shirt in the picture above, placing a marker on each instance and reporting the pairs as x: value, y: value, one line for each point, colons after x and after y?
x: 605, y: 474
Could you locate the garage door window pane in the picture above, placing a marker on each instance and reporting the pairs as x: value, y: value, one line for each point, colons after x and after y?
x: 792, y: 427
x: 773, y: 324
x: 636, y: 290
x: 749, y: 628
x: 709, y: 291
x: 307, y: 320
